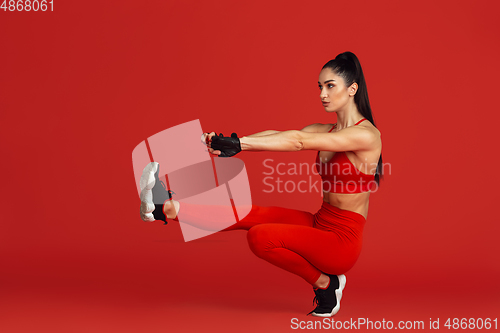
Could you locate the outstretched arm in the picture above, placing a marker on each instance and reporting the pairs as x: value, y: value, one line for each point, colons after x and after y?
x: 207, y: 137
x: 353, y: 138
x: 281, y: 141
x: 264, y: 133
x: 310, y: 128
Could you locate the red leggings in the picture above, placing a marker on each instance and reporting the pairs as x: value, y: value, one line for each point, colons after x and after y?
x: 300, y: 242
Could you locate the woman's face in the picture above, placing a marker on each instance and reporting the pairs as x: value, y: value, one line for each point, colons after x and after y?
x: 333, y: 92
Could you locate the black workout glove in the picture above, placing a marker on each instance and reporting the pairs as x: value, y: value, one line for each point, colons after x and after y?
x: 228, y: 146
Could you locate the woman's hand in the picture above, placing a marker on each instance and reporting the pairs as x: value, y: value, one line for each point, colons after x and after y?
x: 206, y: 138
x: 221, y: 145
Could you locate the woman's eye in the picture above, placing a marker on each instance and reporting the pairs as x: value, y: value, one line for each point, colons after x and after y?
x: 319, y: 87
x: 330, y: 86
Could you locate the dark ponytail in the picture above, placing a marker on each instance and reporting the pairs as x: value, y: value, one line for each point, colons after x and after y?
x: 347, y: 66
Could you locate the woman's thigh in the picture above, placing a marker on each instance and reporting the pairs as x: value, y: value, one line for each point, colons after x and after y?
x: 276, y: 215
x: 225, y: 218
x: 325, y: 250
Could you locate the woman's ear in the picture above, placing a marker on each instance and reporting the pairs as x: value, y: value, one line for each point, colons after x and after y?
x: 353, y: 89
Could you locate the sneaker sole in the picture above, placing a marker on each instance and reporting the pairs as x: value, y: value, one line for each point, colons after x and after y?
x: 338, y: 294
x: 146, y: 183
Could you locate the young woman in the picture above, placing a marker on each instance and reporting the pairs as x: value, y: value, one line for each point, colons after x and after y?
x: 318, y: 247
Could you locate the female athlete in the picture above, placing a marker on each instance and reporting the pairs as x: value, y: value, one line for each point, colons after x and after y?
x: 319, y: 247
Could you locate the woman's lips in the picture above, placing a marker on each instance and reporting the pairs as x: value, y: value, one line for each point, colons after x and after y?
x: 326, y: 103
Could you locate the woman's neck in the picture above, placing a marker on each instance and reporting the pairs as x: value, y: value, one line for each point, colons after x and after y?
x: 348, y: 117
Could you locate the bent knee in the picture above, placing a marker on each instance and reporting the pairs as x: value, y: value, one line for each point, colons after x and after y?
x: 260, y: 240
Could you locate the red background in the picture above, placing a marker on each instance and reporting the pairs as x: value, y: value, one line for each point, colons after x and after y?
x: 80, y: 87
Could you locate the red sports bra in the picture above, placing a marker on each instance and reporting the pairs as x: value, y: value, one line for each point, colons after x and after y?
x: 339, y: 175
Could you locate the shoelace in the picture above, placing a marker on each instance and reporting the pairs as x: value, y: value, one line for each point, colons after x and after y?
x: 317, y: 300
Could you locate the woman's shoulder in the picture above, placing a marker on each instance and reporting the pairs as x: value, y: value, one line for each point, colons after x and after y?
x: 372, y: 128
x: 370, y: 134
x: 318, y: 128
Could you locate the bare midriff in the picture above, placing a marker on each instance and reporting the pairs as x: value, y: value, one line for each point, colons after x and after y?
x: 355, y: 202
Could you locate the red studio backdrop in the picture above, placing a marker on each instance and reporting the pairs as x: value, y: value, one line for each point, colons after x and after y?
x: 84, y: 82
